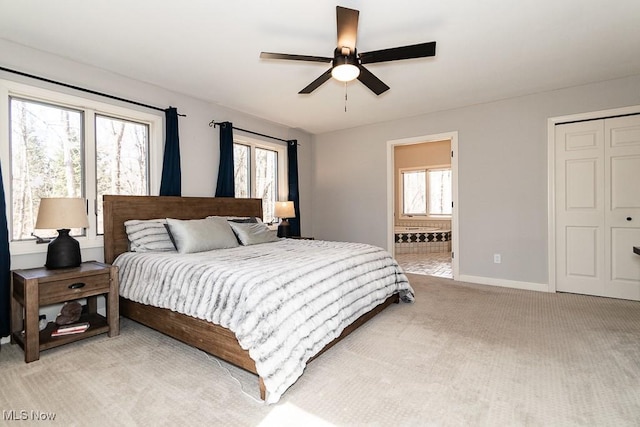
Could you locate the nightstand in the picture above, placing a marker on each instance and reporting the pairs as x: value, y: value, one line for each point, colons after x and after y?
x: 37, y: 287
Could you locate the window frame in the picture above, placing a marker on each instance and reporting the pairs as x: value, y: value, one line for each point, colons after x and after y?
x: 90, y: 109
x: 427, y: 215
x: 281, y: 151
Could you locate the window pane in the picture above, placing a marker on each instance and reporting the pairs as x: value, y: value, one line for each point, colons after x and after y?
x: 267, y: 181
x: 440, y: 192
x: 121, y: 160
x: 241, y: 175
x: 414, y: 195
x: 46, y: 160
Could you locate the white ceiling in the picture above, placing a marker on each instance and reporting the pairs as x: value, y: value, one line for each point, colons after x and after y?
x: 486, y: 50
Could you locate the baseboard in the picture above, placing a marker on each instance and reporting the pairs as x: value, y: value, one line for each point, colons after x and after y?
x: 530, y: 286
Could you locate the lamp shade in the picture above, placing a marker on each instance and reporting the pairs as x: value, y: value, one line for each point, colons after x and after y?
x: 59, y: 212
x: 285, y: 210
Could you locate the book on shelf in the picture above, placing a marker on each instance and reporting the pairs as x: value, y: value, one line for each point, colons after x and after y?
x: 75, y: 328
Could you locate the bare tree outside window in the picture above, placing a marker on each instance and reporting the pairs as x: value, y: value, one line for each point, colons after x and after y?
x: 241, y: 174
x: 267, y: 181
x: 440, y: 196
x: 414, y: 193
x: 121, y: 158
x: 46, y: 160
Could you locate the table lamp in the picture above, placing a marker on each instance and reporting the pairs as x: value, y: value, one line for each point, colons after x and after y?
x: 284, y: 211
x: 62, y: 214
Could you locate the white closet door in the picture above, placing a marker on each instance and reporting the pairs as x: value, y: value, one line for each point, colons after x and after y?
x: 580, y: 207
x: 598, y: 207
x: 622, y: 206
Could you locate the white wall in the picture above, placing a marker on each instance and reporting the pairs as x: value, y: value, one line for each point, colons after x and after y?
x: 502, y: 177
x: 199, y: 143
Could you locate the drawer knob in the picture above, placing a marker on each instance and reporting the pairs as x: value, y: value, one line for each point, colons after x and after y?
x: 78, y: 285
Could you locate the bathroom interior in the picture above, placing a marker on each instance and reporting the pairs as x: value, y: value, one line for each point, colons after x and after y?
x: 422, y: 214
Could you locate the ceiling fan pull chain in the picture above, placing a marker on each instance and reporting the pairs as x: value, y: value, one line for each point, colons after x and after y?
x: 345, y: 97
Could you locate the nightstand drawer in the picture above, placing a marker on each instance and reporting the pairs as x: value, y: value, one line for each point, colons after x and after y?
x: 70, y: 289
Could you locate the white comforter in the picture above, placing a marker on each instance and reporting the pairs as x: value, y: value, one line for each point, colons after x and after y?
x: 283, y: 300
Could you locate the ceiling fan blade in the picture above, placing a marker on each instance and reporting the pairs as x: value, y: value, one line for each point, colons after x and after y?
x: 372, y: 82
x: 396, y: 53
x: 317, y: 82
x: 270, y: 55
x: 347, y: 20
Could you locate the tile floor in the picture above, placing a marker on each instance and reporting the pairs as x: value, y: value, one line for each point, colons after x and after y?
x: 431, y: 264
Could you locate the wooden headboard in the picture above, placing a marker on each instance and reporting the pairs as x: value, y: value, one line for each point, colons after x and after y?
x: 118, y: 209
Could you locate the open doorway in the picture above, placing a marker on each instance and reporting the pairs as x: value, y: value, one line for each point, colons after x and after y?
x: 422, y: 193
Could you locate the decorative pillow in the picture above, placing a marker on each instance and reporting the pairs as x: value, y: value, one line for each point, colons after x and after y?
x: 199, y: 235
x: 253, y: 233
x: 148, y: 235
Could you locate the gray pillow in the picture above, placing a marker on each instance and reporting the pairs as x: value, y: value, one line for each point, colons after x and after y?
x: 199, y: 235
x: 253, y: 233
x: 238, y: 218
x: 148, y: 235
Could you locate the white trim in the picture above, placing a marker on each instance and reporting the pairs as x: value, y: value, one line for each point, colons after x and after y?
x: 453, y: 138
x: 551, y: 179
x: 504, y: 283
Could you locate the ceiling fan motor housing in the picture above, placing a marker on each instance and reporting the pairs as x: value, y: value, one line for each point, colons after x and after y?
x: 339, y: 58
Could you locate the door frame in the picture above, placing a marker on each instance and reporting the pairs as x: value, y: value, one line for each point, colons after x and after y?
x: 551, y: 178
x: 391, y: 190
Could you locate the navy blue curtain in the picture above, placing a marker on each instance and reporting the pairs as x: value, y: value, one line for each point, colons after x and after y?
x: 226, y: 185
x: 5, y: 267
x: 294, y: 193
x: 171, y: 184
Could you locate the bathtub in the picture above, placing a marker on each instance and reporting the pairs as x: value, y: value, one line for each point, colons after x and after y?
x: 421, y: 240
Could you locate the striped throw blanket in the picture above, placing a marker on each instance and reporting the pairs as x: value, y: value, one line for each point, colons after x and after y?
x: 283, y: 300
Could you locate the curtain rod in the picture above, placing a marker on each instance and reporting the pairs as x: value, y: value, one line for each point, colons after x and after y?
x: 106, y: 95
x: 213, y: 123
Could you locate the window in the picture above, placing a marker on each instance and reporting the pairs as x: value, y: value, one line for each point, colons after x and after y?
x: 64, y: 146
x: 414, y: 198
x: 259, y: 172
x: 426, y: 192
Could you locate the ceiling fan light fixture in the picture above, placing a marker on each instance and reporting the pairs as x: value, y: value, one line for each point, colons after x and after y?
x: 345, y: 72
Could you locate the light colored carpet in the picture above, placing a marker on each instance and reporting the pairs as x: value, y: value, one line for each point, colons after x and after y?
x: 461, y: 355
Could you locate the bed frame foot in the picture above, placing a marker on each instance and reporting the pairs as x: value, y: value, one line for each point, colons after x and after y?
x: 263, y: 390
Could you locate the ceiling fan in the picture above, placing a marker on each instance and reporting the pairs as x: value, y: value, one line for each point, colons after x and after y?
x: 347, y: 63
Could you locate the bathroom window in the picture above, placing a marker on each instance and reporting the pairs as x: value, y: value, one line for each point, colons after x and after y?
x: 426, y: 192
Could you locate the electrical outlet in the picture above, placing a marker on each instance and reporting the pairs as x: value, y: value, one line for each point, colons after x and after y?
x: 497, y: 259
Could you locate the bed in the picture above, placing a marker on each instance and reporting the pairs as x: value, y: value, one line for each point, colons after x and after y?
x: 191, y: 326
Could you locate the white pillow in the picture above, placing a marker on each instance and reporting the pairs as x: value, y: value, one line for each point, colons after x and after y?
x: 148, y: 235
x: 199, y: 235
x: 253, y: 233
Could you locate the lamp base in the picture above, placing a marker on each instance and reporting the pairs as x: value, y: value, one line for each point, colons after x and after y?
x: 284, y: 229
x: 63, y: 251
